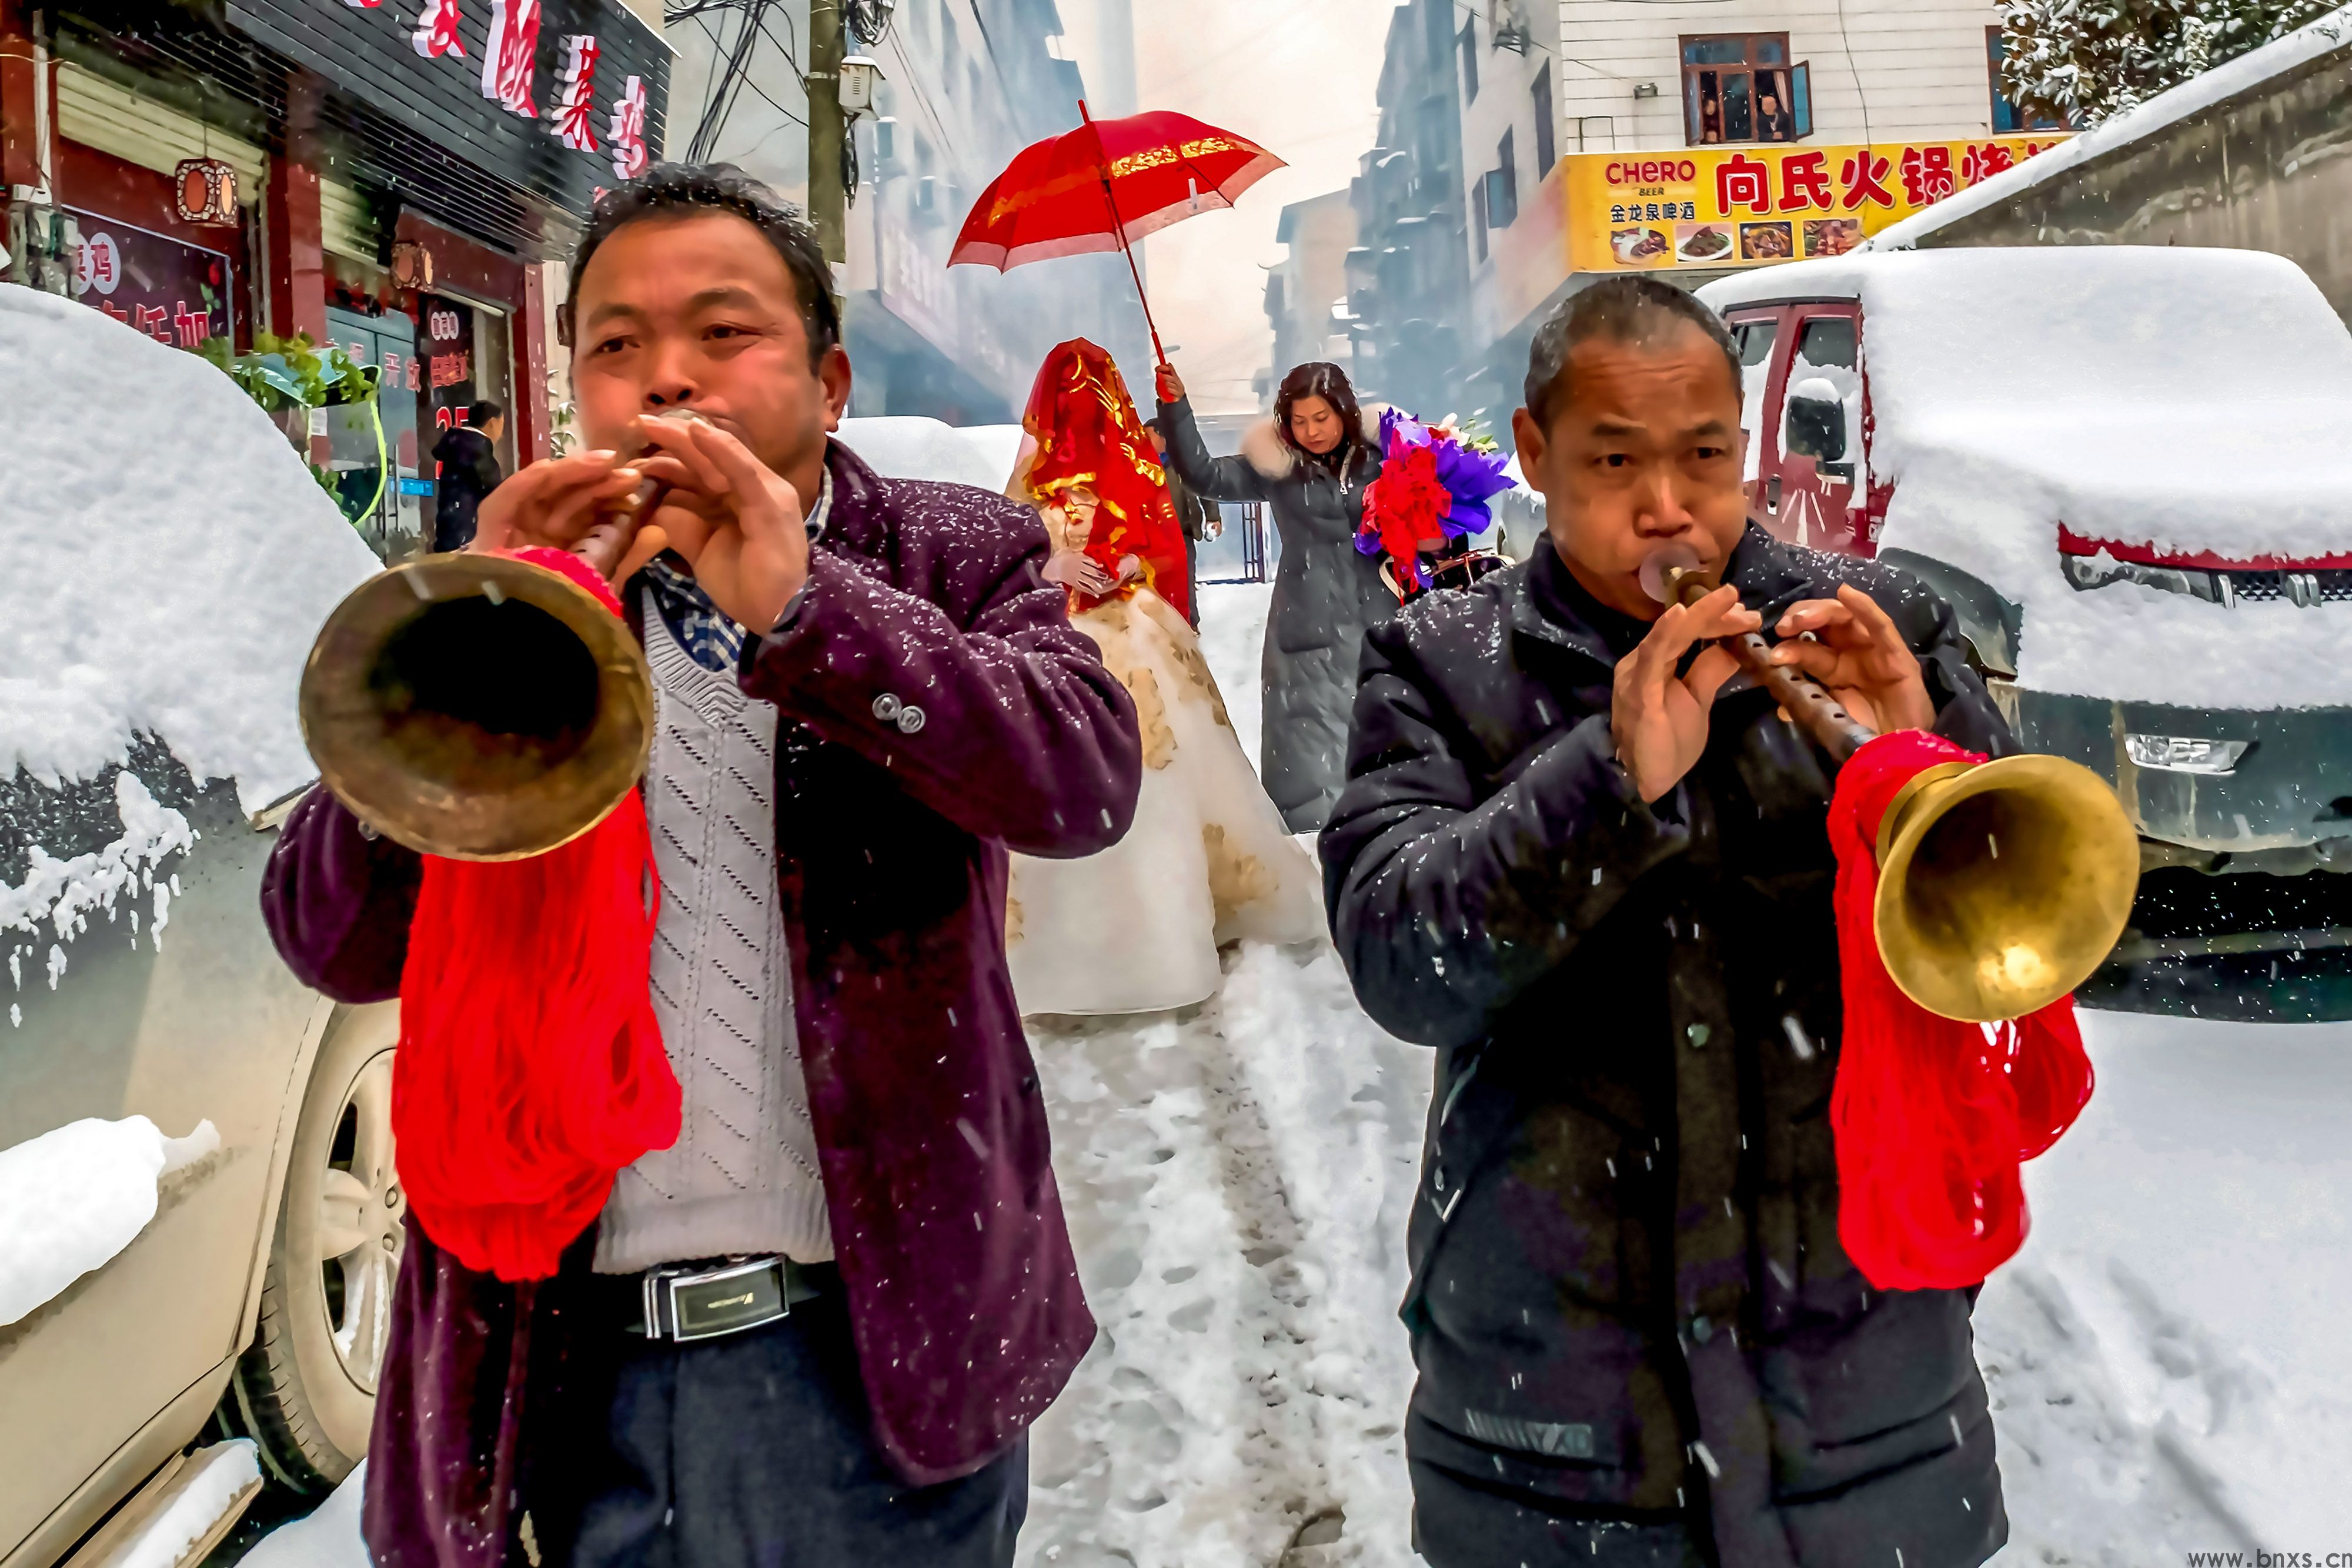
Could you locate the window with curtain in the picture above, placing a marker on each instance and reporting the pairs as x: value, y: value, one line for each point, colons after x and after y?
x: 1469, y: 52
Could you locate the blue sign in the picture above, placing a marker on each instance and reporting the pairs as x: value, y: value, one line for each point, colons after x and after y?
x: 416, y: 487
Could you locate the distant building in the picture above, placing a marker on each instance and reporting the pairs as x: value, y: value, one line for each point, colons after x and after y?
x: 1622, y: 135
x: 966, y: 85
x: 1408, y: 278
x: 1307, y: 291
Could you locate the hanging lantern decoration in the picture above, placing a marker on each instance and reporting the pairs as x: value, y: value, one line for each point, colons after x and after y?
x: 412, y: 265
x: 205, y: 189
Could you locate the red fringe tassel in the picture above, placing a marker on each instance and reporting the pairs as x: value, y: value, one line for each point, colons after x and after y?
x: 530, y: 1068
x: 1932, y: 1116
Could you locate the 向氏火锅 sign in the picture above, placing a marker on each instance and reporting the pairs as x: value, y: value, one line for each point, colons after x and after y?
x: 1745, y: 205
x: 557, y: 98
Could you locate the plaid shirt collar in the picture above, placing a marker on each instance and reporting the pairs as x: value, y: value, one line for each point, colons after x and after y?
x: 709, y: 636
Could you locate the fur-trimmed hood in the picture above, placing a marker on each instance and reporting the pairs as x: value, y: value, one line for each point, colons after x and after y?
x: 1265, y: 450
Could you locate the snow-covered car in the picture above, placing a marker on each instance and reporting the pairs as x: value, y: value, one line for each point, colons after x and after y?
x: 199, y: 1223
x: 2127, y: 471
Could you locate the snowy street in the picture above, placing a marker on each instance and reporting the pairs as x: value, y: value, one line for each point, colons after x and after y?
x: 2161, y: 1355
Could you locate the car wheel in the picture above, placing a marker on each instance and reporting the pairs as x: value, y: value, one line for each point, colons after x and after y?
x: 306, y: 1386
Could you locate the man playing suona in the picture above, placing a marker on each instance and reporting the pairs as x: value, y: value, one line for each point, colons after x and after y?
x: 865, y: 692
x: 1590, y: 866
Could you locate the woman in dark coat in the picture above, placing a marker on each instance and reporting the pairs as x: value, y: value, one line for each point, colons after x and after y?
x: 1310, y: 464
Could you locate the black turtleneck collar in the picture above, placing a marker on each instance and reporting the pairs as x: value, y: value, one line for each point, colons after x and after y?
x: 1567, y: 603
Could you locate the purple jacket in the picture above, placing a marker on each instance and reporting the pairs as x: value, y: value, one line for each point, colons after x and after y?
x: 891, y: 838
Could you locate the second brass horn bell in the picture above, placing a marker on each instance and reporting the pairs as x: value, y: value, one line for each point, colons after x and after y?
x: 477, y: 707
x: 2003, y: 884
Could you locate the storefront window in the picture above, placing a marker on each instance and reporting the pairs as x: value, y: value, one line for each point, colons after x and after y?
x: 175, y: 293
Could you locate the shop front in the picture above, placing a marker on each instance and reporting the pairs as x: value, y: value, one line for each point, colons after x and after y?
x: 1693, y: 214
x: 401, y: 187
x: 1718, y: 209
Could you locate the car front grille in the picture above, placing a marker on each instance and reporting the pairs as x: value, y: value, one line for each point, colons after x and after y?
x: 2227, y: 586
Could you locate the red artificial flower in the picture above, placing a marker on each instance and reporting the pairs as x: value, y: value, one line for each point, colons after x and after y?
x: 1405, y: 508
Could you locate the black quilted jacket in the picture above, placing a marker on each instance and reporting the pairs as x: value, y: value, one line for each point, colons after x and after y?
x: 1627, y: 1294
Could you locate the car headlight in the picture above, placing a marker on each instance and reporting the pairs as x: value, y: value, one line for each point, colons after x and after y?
x: 2184, y: 753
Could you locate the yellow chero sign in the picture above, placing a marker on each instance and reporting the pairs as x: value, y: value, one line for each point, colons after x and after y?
x: 1709, y: 207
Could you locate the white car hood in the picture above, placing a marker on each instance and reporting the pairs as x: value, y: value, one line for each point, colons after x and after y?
x: 1986, y: 491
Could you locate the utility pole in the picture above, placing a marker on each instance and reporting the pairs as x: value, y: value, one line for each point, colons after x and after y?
x: 828, y: 202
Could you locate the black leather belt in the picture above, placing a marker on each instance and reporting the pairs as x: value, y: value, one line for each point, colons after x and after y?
x: 682, y: 1302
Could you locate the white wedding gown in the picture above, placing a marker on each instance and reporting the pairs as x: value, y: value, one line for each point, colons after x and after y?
x: 1135, y: 928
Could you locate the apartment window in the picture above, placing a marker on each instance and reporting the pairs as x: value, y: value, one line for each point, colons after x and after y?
x: 1469, y: 51
x: 951, y: 46
x: 1547, y: 129
x: 2007, y: 117
x: 1503, y: 201
x: 1741, y: 86
x: 1480, y: 220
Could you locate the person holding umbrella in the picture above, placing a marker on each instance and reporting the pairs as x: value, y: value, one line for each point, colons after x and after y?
x: 1309, y: 464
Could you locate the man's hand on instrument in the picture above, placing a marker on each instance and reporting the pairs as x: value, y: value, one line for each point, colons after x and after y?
x: 1659, y: 719
x: 587, y: 504
x: 1860, y: 657
x: 739, y: 525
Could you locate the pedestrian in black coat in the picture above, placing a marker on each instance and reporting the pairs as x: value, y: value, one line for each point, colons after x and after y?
x: 1587, y: 861
x: 468, y: 457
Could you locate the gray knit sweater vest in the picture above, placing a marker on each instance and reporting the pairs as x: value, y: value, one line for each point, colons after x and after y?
x: 743, y: 1177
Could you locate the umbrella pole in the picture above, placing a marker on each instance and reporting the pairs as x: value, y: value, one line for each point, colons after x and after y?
x: 1119, y: 227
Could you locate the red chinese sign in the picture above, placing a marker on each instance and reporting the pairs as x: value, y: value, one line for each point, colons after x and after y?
x: 575, y: 110
x: 510, y: 59
x: 436, y: 30
x: 627, y: 131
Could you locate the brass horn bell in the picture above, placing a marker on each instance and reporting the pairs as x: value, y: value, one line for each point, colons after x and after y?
x: 2003, y: 884
x: 477, y: 707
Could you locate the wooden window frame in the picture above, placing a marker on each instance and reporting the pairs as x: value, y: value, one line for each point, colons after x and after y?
x: 1749, y: 65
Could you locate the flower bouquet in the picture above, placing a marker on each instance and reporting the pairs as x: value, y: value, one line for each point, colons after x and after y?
x: 1433, y: 485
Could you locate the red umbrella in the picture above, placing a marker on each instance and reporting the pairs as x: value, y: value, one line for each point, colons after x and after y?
x: 1105, y: 186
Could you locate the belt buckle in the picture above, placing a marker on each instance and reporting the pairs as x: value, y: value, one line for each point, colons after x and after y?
x: 683, y: 1305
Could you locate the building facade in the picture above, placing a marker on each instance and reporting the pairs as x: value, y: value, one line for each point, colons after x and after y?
x: 1307, y: 291
x: 966, y: 85
x: 1408, y: 275
x: 404, y: 187
x: 1606, y: 136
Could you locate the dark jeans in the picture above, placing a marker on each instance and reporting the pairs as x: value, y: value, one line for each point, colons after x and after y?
x: 1459, y: 1521
x: 755, y: 1451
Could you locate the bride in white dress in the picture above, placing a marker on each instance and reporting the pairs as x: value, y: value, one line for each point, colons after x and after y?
x: 1137, y: 927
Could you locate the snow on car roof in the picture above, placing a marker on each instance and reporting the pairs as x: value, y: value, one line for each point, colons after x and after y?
x: 167, y: 562
x: 2188, y: 400
x: 906, y: 447
x: 2194, y: 96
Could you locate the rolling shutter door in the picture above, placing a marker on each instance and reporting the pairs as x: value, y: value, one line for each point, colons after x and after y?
x: 98, y: 112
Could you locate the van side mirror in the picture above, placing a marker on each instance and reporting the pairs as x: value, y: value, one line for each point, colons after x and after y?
x: 1815, y: 421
